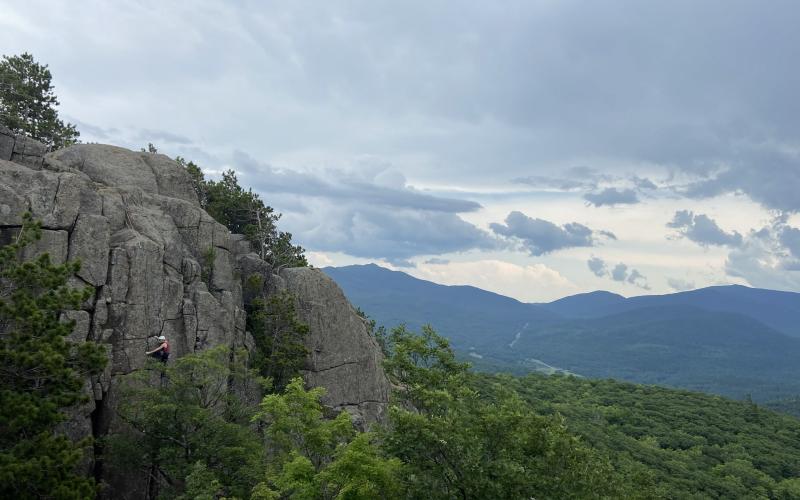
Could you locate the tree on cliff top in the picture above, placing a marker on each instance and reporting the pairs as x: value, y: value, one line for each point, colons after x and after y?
x: 28, y: 102
x: 42, y: 373
x: 244, y: 212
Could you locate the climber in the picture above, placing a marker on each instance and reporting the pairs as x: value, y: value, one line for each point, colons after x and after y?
x: 162, y: 351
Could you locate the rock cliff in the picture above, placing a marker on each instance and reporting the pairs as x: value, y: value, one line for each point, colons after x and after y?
x: 160, y: 265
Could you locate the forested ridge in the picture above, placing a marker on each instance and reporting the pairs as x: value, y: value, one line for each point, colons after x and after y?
x: 689, y: 444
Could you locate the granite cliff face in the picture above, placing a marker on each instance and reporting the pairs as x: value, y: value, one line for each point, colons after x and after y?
x: 160, y: 265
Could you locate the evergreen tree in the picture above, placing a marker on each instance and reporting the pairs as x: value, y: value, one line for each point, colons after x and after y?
x: 244, y: 212
x: 28, y: 102
x: 278, y: 335
x: 42, y: 373
x: 188, y: 429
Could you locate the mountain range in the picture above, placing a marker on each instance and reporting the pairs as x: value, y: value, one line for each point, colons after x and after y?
x: 730, y: 340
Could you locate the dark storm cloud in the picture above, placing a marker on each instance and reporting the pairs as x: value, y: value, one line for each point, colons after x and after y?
x: 612, y: 196
x: 540, y: 237
x: 703, y: 230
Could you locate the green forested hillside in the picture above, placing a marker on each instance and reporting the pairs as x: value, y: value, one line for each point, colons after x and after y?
x: 690, y: 445
x: 677, y: 346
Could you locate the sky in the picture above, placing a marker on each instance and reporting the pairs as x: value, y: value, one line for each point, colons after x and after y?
x: 537, y: 149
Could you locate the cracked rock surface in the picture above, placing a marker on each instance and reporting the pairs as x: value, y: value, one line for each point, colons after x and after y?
x: 340, y: 349
x: 134, y: 221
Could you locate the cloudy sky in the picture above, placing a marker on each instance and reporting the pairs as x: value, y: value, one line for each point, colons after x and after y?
x: 537, y: 149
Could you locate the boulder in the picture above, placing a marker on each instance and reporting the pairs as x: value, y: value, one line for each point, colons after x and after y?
x: 343, y: 358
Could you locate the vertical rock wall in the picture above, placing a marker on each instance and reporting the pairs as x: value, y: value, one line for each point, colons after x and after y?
x: 160, y: 265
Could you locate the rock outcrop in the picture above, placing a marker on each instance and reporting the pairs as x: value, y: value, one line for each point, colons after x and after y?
x: 160, y: 265
x: 341, y: 349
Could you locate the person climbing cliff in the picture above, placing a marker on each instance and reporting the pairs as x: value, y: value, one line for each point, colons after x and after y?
x: 161, y: 352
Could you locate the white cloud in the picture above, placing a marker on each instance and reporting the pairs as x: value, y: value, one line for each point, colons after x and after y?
x: 766, y: 259
x: 319, y: 259
x: 528, y: 283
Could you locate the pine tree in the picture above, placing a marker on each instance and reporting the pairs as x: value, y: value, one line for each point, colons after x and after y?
x: 42, y: 373
x: 28, y: 102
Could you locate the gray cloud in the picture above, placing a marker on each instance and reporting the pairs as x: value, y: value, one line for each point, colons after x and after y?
x: 769, y: 177
x: 340, y: 185
x: 437, y: 261
x: 571, y: 179
x: 92, y: 132
x: 161, y: 136
x: 395, y: 235
x: 612, y: 196
x: 567, y: 80
x: 620, y: 272
x: 401, y: 262
x: 680, y: 285
x: 371, y: 214
x: 643, y: 183
x: 789, y: 237
x: 540, y: 237
x: 597, y: 266
x: 703, y: 230
x: 558, y: 183
x: 768, y: 257
x: 636, y: 278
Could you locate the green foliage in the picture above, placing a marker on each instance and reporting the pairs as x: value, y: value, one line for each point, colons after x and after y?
x: 313, y: 457
x: 28, y: 103
x: 42, y: 373
x: 459, y: 444
x: 243, y: 212
x: 198, y: 179
x: 187, y: 425
x: 209, y: 255
x: 254, y: 284
x: 692, y: 445
x: 278, y: 335
x: 790, y: 406
x: 379, y: 333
